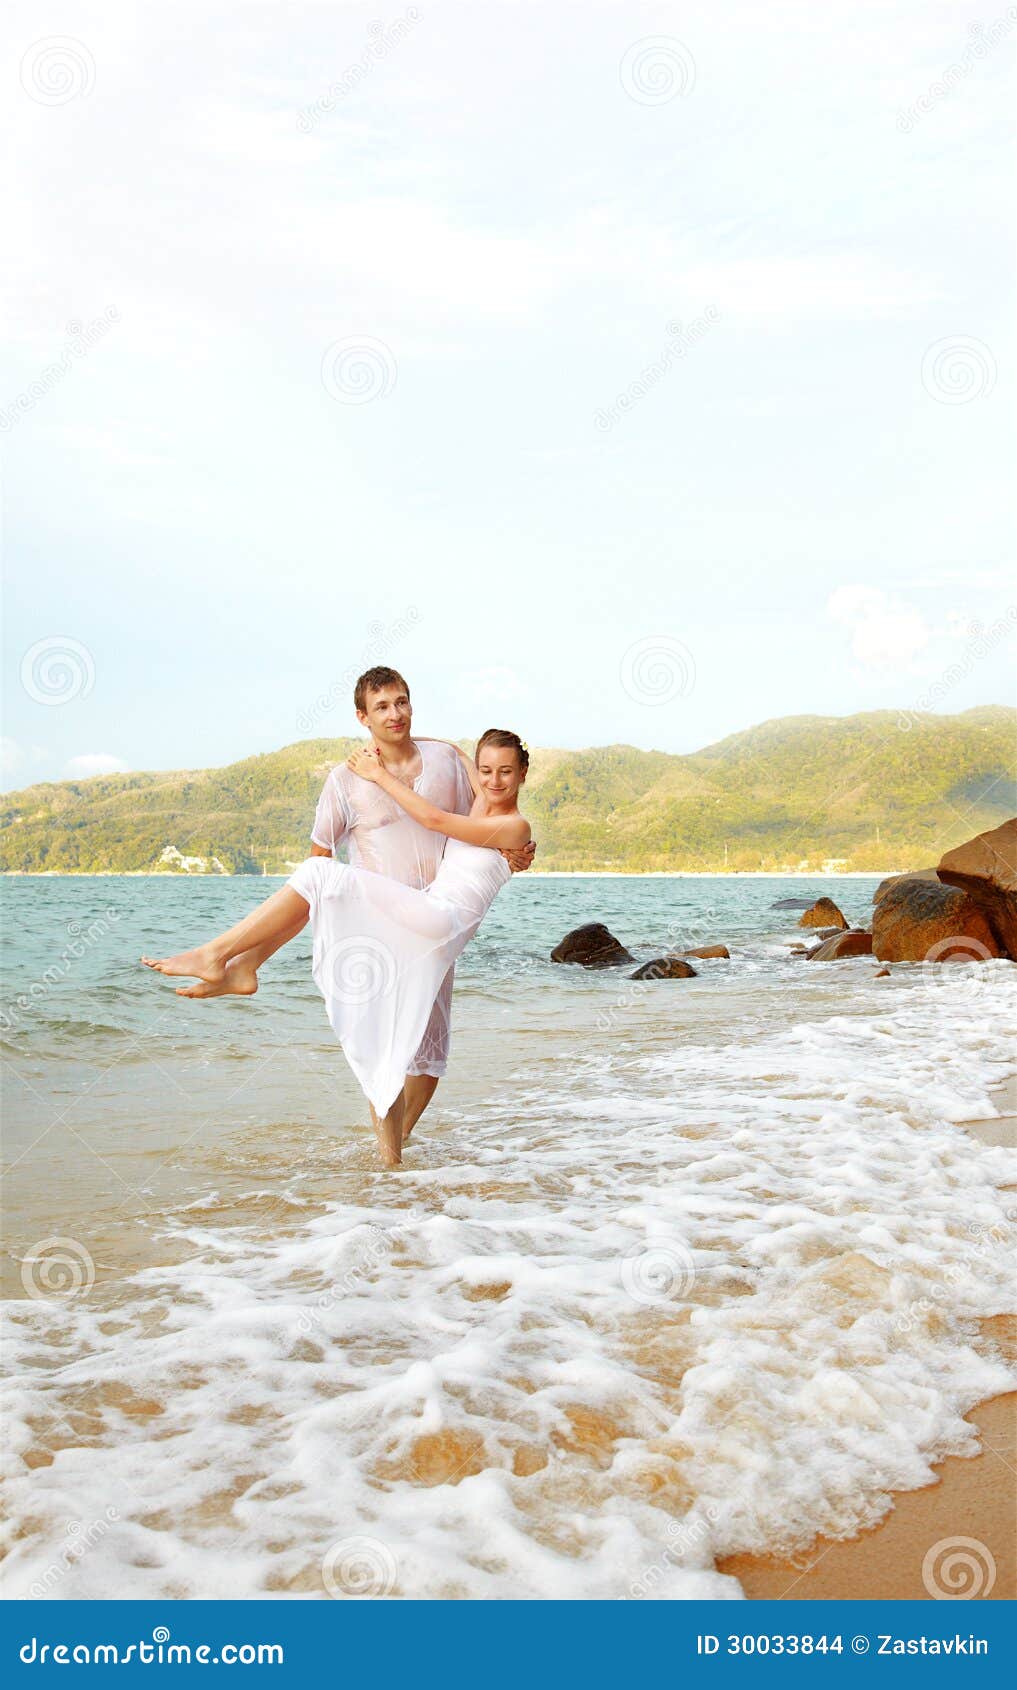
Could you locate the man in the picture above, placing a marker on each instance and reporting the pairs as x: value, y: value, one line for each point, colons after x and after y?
x: 383, y: 838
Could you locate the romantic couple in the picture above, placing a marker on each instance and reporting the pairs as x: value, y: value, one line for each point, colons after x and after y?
x: 433, y: 839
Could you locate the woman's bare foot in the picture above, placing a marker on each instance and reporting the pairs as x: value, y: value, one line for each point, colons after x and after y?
x: 201, y: 962
x: 240, y: 980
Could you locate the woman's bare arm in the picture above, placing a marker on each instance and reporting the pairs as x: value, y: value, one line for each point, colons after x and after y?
x: 499, y: 833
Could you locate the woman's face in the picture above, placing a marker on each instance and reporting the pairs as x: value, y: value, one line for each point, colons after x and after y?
x: 499, y: 773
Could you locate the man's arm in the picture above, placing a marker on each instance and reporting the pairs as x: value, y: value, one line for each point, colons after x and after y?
x: 331, y: 819
x: 519, y: 861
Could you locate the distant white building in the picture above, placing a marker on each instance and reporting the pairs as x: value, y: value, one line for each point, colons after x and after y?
x: 174, y: 859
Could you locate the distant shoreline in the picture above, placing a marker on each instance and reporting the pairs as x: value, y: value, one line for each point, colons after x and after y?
x: 535, y: 874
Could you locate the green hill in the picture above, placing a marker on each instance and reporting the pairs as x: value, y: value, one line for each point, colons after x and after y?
x: 862, y: 791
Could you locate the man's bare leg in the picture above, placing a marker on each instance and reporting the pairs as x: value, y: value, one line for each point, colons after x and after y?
x: 279, y: 917
x: 389, y: 1133
x: 418, y: 1090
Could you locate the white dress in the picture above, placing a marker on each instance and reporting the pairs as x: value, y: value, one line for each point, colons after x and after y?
x: 381, y: 951
x: 382, y: 836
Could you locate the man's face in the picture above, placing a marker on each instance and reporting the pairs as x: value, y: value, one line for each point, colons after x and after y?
x: 388, y: 715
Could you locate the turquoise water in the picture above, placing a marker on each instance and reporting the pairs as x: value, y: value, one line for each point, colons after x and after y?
x: 673, y: 1269
x: 102, y: 1057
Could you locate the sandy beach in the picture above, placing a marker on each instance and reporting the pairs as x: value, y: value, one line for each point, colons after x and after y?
x: 974, y: 1499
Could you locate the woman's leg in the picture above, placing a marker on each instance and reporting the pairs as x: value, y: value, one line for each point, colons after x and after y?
x: 241, y: 976
x: 277, y: 919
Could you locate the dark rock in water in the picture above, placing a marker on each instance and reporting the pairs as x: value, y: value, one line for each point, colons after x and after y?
x: 705, y: 951
x: 881, y: 974
x: 986, y: 869
x: 855, y: 941
x: 912, y: 874
x: 591, y: 946
x: 793, y: 904
x: 823, y: 913
x: 924, y: 921
x: 665, y: 968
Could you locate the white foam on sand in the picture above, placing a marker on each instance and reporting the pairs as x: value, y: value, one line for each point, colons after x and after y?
x: 682, y: 1302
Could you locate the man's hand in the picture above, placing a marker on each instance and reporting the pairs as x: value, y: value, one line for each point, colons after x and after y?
x: 366, y: 763
x: 520, y: 860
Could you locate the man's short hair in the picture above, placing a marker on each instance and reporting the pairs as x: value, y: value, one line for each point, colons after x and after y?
x: 372, y: 680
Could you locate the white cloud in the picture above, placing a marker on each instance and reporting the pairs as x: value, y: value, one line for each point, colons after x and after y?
x: 94, y: 763
x: 886, y: 633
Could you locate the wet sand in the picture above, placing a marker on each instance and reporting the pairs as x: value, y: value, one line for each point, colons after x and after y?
x: 974, y: 1499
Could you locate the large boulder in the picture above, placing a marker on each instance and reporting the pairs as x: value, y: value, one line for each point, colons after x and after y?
x: 920, y: 920
x: 665, y: 968
x: 591, y: 946
x: 855, y: 941
x: 911, y: 874
x: 793, y: 904
x: 986, y: 869
x: 823, y: 913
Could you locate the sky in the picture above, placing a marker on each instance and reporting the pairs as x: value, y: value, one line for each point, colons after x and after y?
x: 620, y: 373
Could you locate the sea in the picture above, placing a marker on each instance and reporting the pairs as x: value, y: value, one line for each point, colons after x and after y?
x: 673, y: 1268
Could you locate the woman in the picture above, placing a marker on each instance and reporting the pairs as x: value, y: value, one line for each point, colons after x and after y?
x: 381, y: 950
